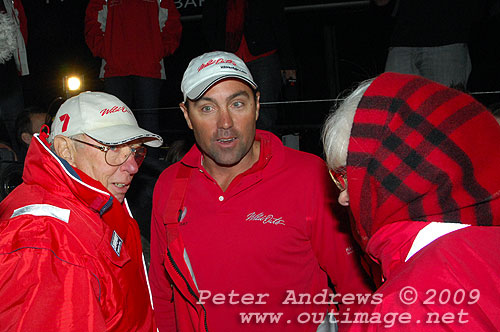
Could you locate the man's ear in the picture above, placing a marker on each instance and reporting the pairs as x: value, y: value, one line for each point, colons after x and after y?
x: 64, y: 148
x: 257, y: 105
x: 185, y: 112
x: 26, y: 137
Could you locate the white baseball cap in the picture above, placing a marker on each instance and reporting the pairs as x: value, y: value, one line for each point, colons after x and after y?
x: 210, y: 68
x: 101, y: 116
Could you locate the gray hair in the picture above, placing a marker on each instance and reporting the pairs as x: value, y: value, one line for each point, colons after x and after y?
x: 337, y: 128
x: 77, y: 144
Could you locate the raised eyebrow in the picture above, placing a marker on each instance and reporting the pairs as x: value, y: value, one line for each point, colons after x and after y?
x: 239, y: 93
x: 234, y: 95
x: 203, y: 99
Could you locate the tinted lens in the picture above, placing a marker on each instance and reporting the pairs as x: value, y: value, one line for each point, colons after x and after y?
x: 116, y: 156
x: 140, y: 154
x: 339, y: 177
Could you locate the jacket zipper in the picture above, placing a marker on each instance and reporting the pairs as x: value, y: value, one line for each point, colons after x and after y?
x: 191, y: 291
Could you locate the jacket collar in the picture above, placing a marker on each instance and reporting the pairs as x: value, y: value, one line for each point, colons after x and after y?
x: 395, y: 244
x: 42, y: 163
x: 390, y: 245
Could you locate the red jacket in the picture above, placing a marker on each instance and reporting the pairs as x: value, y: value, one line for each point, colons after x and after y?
x: 70, y: 254
x: 424, y: 191
x: 451, y: 284
x: 15, y: 11
x: 273, y: 231
x: 132, y: 36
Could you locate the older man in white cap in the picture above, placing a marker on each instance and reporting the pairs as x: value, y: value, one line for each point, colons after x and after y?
x: 242, y: 226
x: 70, y: 253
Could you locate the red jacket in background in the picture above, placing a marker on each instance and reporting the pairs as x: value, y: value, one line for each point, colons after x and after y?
x: 23, y: 23
x: 15, y: 11
x: 132, y: 36
x: 273, y: 231
x: 70, y: 254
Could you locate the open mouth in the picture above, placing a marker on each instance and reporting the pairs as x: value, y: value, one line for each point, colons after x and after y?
x: 226, y: 140
x: 121, y: 185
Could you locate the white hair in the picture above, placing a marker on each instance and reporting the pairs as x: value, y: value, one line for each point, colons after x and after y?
x: 337, y: 128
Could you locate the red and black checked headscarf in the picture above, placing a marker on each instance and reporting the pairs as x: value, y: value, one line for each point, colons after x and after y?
x: 420, y: 151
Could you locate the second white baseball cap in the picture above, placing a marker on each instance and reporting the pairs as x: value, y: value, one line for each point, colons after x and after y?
x: 210, y: 68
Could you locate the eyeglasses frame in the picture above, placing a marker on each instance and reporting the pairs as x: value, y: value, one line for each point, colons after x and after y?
x: 105, y: 149
x: 342, y: 172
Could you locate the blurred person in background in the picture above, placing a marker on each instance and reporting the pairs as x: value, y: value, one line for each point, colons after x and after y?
x: 13, y: 63
x: 132, y: 37
x: 431, y: 38
x: 257, y: 32
x: 28, y: 123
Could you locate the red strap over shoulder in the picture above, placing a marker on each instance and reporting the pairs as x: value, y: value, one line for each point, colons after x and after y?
x: 175, y: 263
x: 175, y: 201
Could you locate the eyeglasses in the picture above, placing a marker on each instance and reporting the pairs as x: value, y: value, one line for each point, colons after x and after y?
x: 118, y: 155
x: 339, y: 176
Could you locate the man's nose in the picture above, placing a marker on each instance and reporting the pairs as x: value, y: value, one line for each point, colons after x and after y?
x: 225, y: 120
x: 130, y: 165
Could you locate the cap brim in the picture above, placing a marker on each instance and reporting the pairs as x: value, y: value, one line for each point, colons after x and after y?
x: 206, y: 84
x: 121, y: 134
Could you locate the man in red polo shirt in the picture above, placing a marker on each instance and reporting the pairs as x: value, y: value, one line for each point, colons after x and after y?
x: 244, y: 235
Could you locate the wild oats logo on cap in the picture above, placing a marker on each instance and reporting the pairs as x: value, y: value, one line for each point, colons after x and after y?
x: 101, y: 116
x: 114, y: 109
x: 212, y: 61
x: 210, y: 68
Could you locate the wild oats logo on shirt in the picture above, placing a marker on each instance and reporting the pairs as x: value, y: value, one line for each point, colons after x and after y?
x: 265, y: 218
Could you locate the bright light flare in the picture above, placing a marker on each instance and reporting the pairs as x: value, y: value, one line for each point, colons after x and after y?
x: 74, y: 83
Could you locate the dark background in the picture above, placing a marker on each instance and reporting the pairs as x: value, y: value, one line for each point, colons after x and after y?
x: 336, y: 45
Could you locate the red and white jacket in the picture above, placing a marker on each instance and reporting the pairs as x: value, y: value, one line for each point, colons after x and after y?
x: 273, y: 231
x: 70, y: 254
x: 439, y: 277
x: 15, y: 11
x: 132, y: 36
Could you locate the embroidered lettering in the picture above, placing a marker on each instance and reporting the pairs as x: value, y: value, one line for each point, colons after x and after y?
x: 113, y: 109
x: 216, y: 61
x: 265, y: 219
